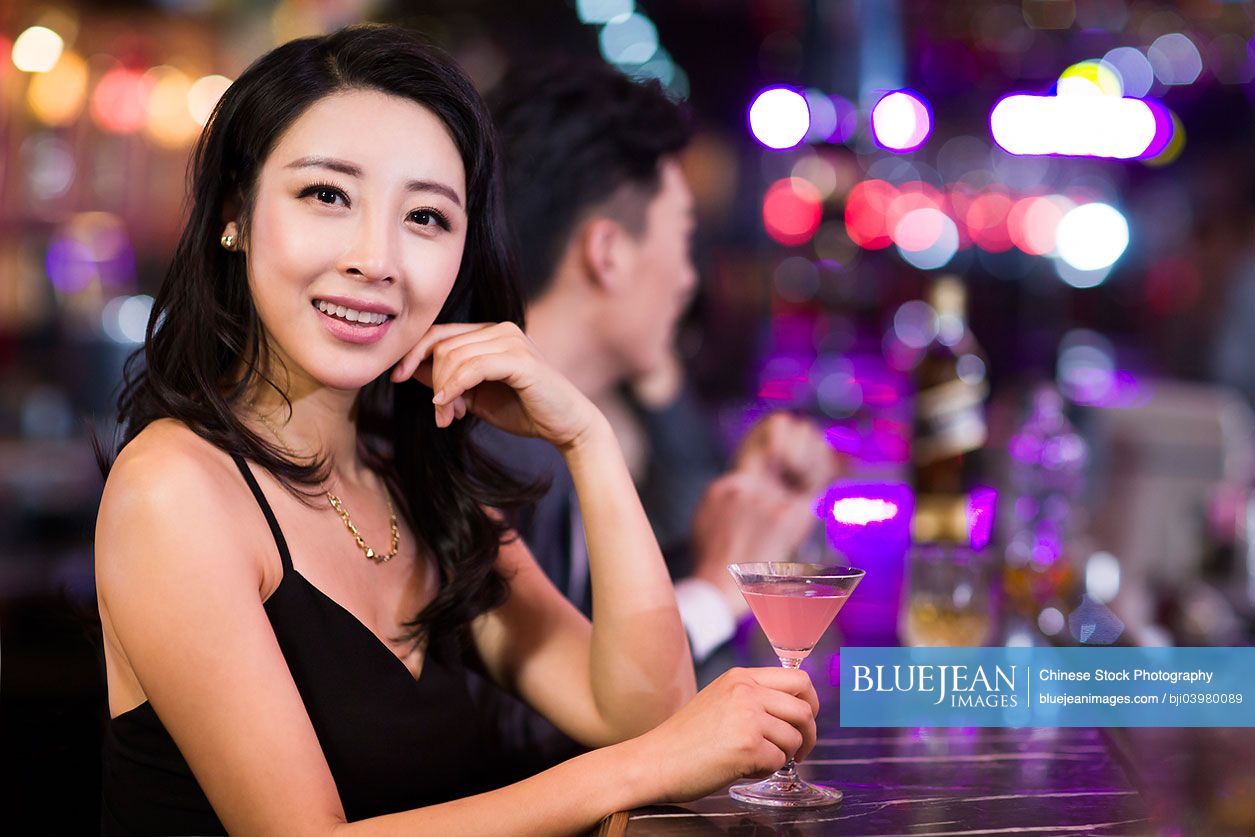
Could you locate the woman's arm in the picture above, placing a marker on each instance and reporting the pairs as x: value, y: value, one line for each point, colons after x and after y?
x: 179, y: 576
x: 633, y: 669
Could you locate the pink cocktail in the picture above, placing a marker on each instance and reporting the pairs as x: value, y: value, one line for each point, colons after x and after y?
x: 794, y: 615
x: 794, y: 604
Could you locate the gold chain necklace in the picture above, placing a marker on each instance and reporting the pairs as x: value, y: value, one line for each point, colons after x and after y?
x: 357, y: 536
x: 343, y: 512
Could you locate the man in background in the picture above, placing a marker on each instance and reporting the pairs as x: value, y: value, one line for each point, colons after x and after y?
x: 602, y: 219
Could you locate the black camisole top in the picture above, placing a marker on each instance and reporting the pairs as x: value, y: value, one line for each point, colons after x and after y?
x: 392, y: 742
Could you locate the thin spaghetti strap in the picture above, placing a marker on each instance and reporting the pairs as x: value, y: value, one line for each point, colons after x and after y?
x: 280, y: 541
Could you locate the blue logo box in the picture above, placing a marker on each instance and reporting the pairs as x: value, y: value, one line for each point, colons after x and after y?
x: 1048, y: 687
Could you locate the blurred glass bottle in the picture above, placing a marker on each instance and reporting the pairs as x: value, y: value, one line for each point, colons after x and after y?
x: 950, y: 393
x: 947, y: 601
x: 1047, y: 476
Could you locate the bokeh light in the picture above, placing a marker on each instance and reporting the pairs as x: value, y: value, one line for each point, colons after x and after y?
x: 1175, y: 59
x: 915, y: 324
x: 792, y: 211
x: 1086, y: 370
x: 1092, y: 236
x: 603, y: 11
x: 1078, y: 278
x: 823, y: 116
x: 1171, y: 132
x: 986, y: 221
x: 1100, y: 75
x: 204, y: 95
x: 1081, y: 121
x: 37, y: 49
x: 124, y: 319
x: 57, y: 96
x: 779, y: 117
x: 866, y: 212
x: 48, y: 163
x: 169, y: 120
x: 93, y: 247
x: 629, y: 40
x: 819, y: 170
x: 1102, y: 577
x: 1136, y: 74
x: 1230, y: 59
x: 927, y: 225
x: 1033, y: 223
x: 901, y: 121
x: 120, y: 101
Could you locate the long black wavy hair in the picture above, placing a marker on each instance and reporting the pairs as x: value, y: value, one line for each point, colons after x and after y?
x: 204, y: 327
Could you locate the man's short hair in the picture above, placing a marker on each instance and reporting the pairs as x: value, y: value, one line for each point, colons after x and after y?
x: 579, y: 137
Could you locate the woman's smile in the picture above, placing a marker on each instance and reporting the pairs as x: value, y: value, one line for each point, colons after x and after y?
x: 352, y: 325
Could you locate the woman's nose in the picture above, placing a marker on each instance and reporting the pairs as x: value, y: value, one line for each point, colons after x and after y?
x: 372, y: 252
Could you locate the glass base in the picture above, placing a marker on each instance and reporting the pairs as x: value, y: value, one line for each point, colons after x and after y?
x: 784, y: 791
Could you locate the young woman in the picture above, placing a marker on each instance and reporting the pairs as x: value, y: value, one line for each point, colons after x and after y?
x: 299, y: 552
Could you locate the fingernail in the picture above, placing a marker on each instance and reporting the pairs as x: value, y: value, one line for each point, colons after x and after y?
x: 438, y: 398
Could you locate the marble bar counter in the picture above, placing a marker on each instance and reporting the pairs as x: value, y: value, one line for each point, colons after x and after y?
x: 932, y: 781
x: 924, y: 781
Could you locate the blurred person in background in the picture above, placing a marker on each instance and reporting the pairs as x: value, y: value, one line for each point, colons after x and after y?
x: 603, y: 218
x: 301, y: 554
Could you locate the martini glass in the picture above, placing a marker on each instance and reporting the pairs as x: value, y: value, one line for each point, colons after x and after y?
x: 794, y: 604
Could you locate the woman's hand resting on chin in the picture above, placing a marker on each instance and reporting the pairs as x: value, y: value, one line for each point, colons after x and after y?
x: 493, y: 371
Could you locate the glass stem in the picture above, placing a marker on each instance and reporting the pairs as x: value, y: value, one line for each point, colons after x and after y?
x: 788, y: 773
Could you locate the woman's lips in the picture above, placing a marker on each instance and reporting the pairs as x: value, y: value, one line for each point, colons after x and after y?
x: 348, y: 332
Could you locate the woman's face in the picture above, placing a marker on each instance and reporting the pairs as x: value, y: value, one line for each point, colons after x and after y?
x: 359, y: 214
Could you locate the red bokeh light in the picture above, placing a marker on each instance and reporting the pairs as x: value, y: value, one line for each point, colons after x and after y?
x: 120, y: 103
x: 792, y: 210
x: 986, y: 221
x: 866, y: 208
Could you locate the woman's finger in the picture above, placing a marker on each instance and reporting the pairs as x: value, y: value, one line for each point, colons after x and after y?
x: 445, y: 363
x: 405, y: 368
x: 783, y: 735
x: 791, y: 681
x: 797, y: 714
x: 491, y: 367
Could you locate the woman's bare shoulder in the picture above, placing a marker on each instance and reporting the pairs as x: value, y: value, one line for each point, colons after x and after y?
x: 168, y: 456
x: 168, y: 482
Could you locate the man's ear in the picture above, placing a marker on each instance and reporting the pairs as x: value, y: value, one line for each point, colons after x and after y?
x: 604, y: 253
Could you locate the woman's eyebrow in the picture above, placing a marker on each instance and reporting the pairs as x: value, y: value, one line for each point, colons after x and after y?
x: 346, y: 168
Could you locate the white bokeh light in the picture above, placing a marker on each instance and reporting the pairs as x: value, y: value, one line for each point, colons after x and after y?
x: 603, y: 11
x: 915, y: 324
x: 204, y: 94
x: 780, y: 117
x: 37, y: 49
x: 1102, y: 577
x: 1134, y: 68
x: 1175, y: 59
x: 629, y: 40
x: 900, y: 121
x: 1079, y: 122
x: 1092, y: 236
x: 124, y: 319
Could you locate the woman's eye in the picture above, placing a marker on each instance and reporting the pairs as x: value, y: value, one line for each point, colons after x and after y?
x: 328, y: 195
x: 429, y: 218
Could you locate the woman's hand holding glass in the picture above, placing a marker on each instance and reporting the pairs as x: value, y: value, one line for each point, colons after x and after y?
x: 493, y: 371
x: 746, y: 723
